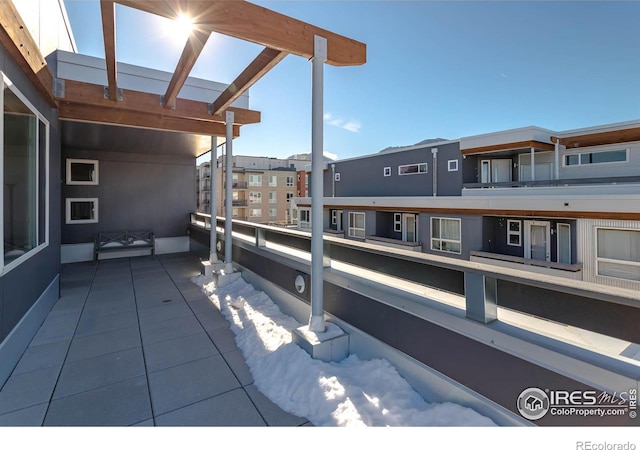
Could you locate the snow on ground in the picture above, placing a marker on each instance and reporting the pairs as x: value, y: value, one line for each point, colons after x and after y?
x: 352, y: 392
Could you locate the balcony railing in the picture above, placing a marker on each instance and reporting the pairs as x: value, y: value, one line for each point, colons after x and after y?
x: 240, y: 185
x: 554, y: 183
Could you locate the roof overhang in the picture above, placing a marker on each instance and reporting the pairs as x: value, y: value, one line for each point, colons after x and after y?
x: 601, y: 138
x: 517, y: 147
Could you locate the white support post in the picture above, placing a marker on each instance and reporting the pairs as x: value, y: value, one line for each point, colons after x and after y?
x: 213, y: 201
x: 228, y: 193
x: 316, y: 322
x: 434, y: 170
x: 533, y: 164
x: 556, y: 159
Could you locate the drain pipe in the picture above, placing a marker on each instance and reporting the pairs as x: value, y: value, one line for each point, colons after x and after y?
x: 434, y: 153
x: 228, y: 194
x: 316, y: 321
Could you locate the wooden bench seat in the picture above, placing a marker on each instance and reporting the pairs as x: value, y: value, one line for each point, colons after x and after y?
x: 117, y: 241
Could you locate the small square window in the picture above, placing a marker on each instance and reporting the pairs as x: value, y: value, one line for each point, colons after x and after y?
x: 82, y: 171
x: 387, y: 171
x: 514, y: 233
x: 397, y: 222
x: 337, y: 176
x: 452, y: 164
x: 81, y: 210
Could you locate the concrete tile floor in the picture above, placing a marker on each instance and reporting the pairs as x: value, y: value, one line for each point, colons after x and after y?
x: 132, y: 341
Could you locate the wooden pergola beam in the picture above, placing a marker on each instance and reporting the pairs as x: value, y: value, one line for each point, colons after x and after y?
x: 253, y: 23
x: 15, y: 37
x: 108, y: 13
x: 262, y: 64
x: 192, y: 49
x: 114, y: 116
x: 93, y: 95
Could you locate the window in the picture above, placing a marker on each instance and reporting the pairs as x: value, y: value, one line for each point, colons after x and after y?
x: 337, y: 176
x: 83, y: 171
x: 411, y: 169
x: 255, y: 197
x: 397, y: 222
x: 618, y: 253
x: 234, y: 212
x: 255, y: 180
x: 81, y: 210
x: 304, y: 219
x: 356, y: 224
x: 514, y: 233
x: 273, y: 180
x: 452, y: 165
x: 255, y: 212
x: 273, y: 197
x: 273, y: 212
x: 289, y: 196
x: 564, y: 243
x: 581, y: 159
x: 25, y: 156
x: 290, y: 181
x: 445, y: 235
x: 387, y: 171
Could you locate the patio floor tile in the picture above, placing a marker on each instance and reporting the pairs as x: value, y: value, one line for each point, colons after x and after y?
x: 175, y: 352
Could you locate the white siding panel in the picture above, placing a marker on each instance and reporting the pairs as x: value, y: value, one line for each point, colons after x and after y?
x: 587, y: 251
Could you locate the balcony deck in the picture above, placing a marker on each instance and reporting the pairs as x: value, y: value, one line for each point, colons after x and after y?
x: 133, y: 341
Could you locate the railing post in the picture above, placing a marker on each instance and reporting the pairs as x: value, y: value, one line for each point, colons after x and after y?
x: 261, y: 237
x: 481, y: 295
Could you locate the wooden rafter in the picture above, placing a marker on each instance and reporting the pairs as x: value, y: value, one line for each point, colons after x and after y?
x: 108, y: 12
x: 264, y: 62
x: 115, y: 116
x: 195, y: 43
x: 253, y: 23
x: 77, y: 92
x: 15, y: 37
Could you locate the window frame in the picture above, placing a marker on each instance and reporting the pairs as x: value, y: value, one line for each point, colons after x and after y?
x: 351, y: 232
x: 397, y: 222
x: 255, y: 197
x: 599, y: 259
x: 273, y: 197
x: 96, y: 171
x: 513, y: 233
x: 255, y: 183
x: 41, y: 242
x: 579, y: 155
x: 452, y: 165
x: 387, y: 171
x: 440, y: 239
x: 419, y: 167
x: 67, y: 208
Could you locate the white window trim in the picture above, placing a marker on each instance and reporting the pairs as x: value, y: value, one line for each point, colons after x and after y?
x: 387, y: 171
x: 271, y: 183
x: 304, y: 224
x: 337, y: 176
x: 273, y: 197
x: 68, y: 202
x: 397, y: 222
x: 255, y: 197
x: 426, y: 169
x: 352, y: 230
x: 580, y: 153
x: 431, y: 238
x: 510, y: 233
x: 252, y: 212
x: 83, y: 161
x: 615, y: 261
x: 4, y: 81
x: 452, y: 165
x: 558, y: 226
x: 255, y: 183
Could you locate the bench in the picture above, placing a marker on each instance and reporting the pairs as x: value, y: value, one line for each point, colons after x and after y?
x: 119, y: 241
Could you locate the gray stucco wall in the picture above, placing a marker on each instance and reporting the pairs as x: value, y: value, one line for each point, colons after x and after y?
x: 364, y: 177
x: 136, y: 191
x: 23, y: 285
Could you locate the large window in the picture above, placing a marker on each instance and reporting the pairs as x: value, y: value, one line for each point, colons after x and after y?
x: 618, y: 253
x: 255, y: 197
x: 289, y: 181
x: 410, y: 169
x: 273, y: 180
x: 24, y: 176
x: 581, y: 159
x: 304, y: 219
x: 255, y: 180
x: 273, y: 197
x: 445, y: 235
x: 356, y: 224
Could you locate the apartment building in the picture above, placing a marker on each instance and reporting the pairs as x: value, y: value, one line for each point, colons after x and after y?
x: 560, y: 203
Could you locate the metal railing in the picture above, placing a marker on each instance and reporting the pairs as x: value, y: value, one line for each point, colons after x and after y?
x: 554, y: 183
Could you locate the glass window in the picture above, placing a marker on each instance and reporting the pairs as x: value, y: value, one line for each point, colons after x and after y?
x: 514, y: 233
x: 273, y: 197
x: 410, y: 169
x: 273, y: 180
x: 81, y: 210
x: 356, y: 224
x: 25, y: 192
x: 289, y: 181
x: 83, y: 171
x: 618, y: 253
x: 255, y: 180
x: 397, y: 222
x: 304, y: 219
x: 255, y: 197
x: 273, y: 212
x: 452, y: 165
x: 255, y: 212
x: 595, y: 158
x: 445, y: 235
x: 387, y: 171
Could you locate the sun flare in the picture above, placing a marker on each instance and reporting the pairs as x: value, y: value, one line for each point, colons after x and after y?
x: 179, y: 28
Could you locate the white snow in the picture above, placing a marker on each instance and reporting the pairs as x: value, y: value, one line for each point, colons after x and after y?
x: 350, y: 393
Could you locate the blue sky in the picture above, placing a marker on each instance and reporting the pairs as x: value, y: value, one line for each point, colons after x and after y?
x: 434, y: 69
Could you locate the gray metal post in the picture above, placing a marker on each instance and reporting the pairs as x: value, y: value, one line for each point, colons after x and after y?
x: 533, y: 164
x: 316, y: 322
x: 481, y: 294
x: 556, y: 159
x: 213, y: 201
x: 434, y: 169
x: 228, y: 198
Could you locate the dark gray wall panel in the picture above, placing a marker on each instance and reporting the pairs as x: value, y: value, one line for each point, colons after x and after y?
x: 139, y: 191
